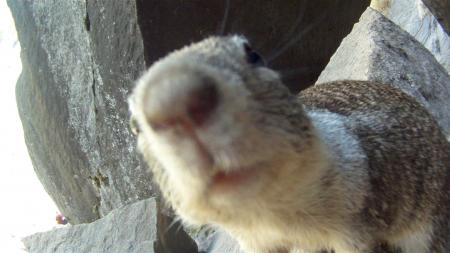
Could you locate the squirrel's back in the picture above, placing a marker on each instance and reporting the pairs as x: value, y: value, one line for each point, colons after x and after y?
x: 407, y: 156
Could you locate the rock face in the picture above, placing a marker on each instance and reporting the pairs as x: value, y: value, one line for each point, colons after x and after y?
x: 402, y: 8
x: 379, y: 50
x: 440, y: 9
x: 79, y: 64
x: 415, y: 18
x: 222, y: 242
x: 131, y: 229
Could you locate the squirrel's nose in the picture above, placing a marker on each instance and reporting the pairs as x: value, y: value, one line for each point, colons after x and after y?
x: 190, y: 106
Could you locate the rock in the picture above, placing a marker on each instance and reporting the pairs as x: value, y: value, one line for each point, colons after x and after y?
x: 223, y: 242
x: 415, y: 18
x: 118, y: 60
x: 441, y: 10
x: 379, y: 50
x: 134, y: 228
x: 402, y: 8
x: 77, y: 72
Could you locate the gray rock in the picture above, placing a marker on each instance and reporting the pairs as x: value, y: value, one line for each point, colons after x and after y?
x: 441, y: 10
x: 379, y: 50
x: 222, y: 242
x: 415, y: 18
x: 118, y: 60
x: 77, y: 71
x: 134, y: 228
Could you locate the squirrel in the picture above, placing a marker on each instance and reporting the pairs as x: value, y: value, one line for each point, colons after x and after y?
x: 346, y: 166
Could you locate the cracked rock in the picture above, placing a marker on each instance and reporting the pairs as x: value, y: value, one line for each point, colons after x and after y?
x: 135, y: 228
x: 80, y: 60
x: 379, y: 50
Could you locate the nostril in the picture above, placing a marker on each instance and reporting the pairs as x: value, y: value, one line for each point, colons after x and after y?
x: 192, y: 108
x: 202, y: 102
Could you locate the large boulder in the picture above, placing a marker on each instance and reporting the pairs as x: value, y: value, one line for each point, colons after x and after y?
x: 415, y: 18
x: 135, y: 228
x: 441, y: 9
x: 77, y: 72
x: 402, y: 8
x: 379, y: 50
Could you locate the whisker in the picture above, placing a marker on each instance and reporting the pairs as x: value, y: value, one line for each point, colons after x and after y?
x: 180, y: 227
x: 295, y: 25
x: 176, y: 220
x: 225, y: 18
x: 287, y: 73
x: 296, y: 38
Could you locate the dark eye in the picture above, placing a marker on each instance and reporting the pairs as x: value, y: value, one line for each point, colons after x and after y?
x: 253, y: 57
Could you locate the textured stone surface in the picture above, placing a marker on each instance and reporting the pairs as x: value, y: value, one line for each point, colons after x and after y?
x: 118, y: 57
x: 77, y: 71
x: 52, y: 98
x: 136, y: 228
x: 379, y: 50
x: 440, y: 9
x: 223, y: 242
x: 415, y: 18
x: 399, y: 8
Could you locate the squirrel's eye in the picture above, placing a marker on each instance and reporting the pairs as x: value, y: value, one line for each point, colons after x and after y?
x: 253, y: 57
x: 134, y: 126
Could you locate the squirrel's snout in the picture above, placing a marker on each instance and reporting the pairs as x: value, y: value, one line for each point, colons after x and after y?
x: 201, y: 102
x: 191, y: 104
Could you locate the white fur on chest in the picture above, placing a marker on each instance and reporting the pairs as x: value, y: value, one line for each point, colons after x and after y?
x: 346, y: 153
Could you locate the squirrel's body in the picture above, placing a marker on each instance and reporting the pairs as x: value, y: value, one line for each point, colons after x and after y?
x: 405, y: 173
x: 345, y: 166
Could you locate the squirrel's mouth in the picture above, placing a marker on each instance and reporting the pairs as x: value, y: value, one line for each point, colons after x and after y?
x: 226, y: 181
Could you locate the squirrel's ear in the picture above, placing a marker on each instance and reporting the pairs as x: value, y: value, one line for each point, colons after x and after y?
x: 239, y: 40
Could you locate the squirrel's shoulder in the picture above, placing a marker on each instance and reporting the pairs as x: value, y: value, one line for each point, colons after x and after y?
x: 359, y: 97
x: 372, y: 109
x: 389, y: 125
